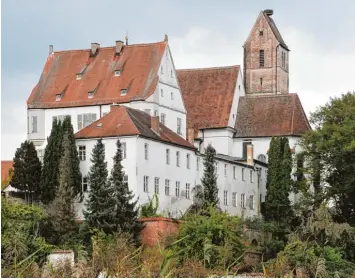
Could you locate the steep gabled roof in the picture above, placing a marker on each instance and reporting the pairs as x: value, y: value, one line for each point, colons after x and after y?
x: 125, y: 121
x: 275, y: 30
x: 208, y: 95
x: 139, y: 65
x: 271, y: 115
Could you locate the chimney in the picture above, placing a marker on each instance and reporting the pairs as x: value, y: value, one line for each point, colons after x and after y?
x: 155, y: 124
x: 126, y: 40
x: 50, y: 49
x: 94, y: 49
x: 190, y: 135
x: 250, y: 154
x: 166, y: 39
x: 119, y: 45
x: 269, y: 12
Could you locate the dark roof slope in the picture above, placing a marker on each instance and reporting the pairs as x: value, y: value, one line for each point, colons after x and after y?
x: 275, y: 115
x: 125, y: 121
x: 208, y: 95
x: 139, y: 65
x: 275, y: 30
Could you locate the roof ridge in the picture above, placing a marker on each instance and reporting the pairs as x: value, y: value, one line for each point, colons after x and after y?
x: 210, y: 68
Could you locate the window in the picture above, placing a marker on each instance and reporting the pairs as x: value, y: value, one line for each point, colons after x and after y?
x: 177, y: 189
x: 168, y: 156
x: 177, y: 158
x: 60, y: 117
x: 117, y: 73
x: 262, y: 158
x: 91, y: 94
x: 239, y: 87
x: 188, y: 161
x: 261, y: 32
x: 243, y: 174
x: 198, y: 163
x: 225, y: 197
x: 85, y: 120
x: 82, y: 152
x: 79, y: 76
x: 188, y: 190
x: 162, y: 92
x: 167, y: 187
x: 84, y: 184
x: 251, y: 176
x: 156, y: 185
x: 155, y: 113
x: 123, y: 92
x: 146, y: 151
x: 147, y: 111
x: 34, y: 124
x: 172, y: 96
x: 234, y: 172
x: 58, y: 97
x: 225, y: 170
x: 261, y: 58
x: 261, y: 81
x: 162, y: 118
x: 123, y: 150
x: 251, y: 200
x: 234, y: 199
x: 178, y: 129
x: 145, y: 184
x: 161, y: 70
x: 242, y: 200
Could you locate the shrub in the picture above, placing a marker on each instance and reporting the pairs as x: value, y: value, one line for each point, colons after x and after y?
x: 151, y: 208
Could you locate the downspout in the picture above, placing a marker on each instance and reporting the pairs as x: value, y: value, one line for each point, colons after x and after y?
x: 258, y: 171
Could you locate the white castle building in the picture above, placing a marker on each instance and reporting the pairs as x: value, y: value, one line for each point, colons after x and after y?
x: 165, y: 117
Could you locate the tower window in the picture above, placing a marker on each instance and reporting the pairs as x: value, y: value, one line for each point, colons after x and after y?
x: 261, y: 58
x: 261, y: 32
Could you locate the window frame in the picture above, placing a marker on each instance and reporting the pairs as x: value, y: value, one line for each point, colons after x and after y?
x: 242, y: 200
x: 225, y: 197
x: 188, y: 157
x: 83, y: 183
x: 251, y: 202
x: 234, y: 172
x: 124, y: 150
x: 178, y: 158
x: 167, y: 187
x: 156, y: 185
x: 243, y: 174
x: 177, y: 189
x: 187, y: 193
x: 234, y: 199
x: 167, y: 156
x: 145, y: 183
x: 34, y: 124
x: 178, y: 126
x: 146, y: 151
x: 82, y: 152
x: 261, y: 58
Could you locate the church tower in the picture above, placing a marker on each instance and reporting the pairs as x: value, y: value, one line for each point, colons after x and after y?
x: 266, y: 58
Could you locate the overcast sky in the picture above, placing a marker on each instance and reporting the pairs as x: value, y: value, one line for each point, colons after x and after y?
x: 320, y: 35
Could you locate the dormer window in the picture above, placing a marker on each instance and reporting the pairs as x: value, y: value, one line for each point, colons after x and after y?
x: 79, y: 76
x: 91, y: 94
x: 58, y: 97
x: 117, y: 73
x: 123, y: 92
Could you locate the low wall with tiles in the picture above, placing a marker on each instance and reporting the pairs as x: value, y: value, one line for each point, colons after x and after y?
x: 156, y: 230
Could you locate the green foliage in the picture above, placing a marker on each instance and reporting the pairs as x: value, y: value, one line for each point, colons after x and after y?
x: 330, y: 149
x: 6, y: 182
x: 100, y: 205
x: 50, y: 172
x: 27, y: 170
x: 151, y: 208
x: 277, y: 205
x: 125, y: 214
x: 213, y: 237
x: 209, y: 179
x: 61, y: 211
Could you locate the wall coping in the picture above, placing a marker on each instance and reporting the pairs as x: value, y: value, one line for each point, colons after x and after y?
x: 159, y: 219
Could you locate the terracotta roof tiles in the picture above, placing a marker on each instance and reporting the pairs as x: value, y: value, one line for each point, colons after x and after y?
x: 5, y: 167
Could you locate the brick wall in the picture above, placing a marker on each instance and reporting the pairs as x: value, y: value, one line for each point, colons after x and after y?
x: 157, y: 229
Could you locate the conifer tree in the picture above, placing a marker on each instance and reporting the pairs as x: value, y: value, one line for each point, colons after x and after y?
x: 100, y: 204
x: 74, y: 159
x: 277, y: 205
x: 126, y: 211
x: 51, y: 160
x: 209, y: 179
x: 62, y: 209
x: 27, y: 170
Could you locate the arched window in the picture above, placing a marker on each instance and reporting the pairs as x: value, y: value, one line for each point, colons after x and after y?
x: 261, y: 58
x: 262, y: 158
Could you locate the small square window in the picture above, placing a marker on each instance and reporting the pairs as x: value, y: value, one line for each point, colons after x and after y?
x: 261, y: 33
x: 79, y: 76
x: 91, y: 94
x: 58, y: 97
x: 117, y: 73
x: 123, y: 92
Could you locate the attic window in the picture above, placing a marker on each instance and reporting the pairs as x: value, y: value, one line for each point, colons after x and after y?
x: 117, y: 73
x: 123, y: 92
x: 58, y: 97
x: 79, y: 76
x: 91, y: 94
x: 261, y: 32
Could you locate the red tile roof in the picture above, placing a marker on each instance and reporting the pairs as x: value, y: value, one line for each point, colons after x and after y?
x: 125, y: 121
x: 5, y: 167
x: 276, y: 115
x: 139, y: 65
x: 208, y: 95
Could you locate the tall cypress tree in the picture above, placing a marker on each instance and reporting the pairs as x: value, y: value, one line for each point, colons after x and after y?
x: 209, y: 179
x: 74, y: 159
x: 62, y: 209
x: 126, y: 211
x: 51, y: 160
x: 100, y: 204
x: 277, y: 203
x: 27, y: 170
